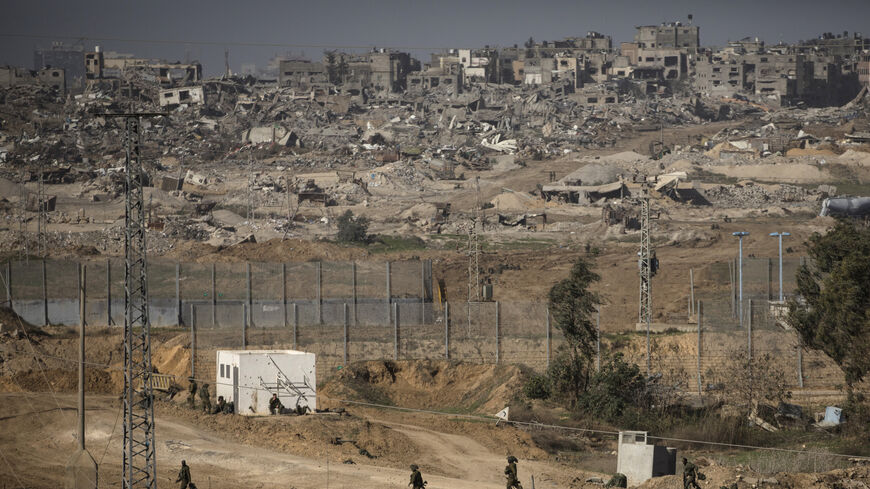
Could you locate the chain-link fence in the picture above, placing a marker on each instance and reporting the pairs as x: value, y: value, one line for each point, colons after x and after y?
x: 351, y: 311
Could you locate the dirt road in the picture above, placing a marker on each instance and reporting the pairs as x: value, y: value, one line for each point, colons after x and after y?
x: 36, y: 438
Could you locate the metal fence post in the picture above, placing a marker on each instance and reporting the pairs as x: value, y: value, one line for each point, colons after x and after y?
x: 497, y: 339
x: 749, y: 331
x: 345, y: 334
x: 284, y: 292
x: 692, y: 292
x: 244, y: 326
x: 548, y: 336
x: 389, y: 292
x: 733, y: 293
x: 249, y: 313
x: 395, y: 331
x: 447, y: 330
x: 318, y: 267
x: 109, y: 321
x: 353, y: 284
x: 178, y: 311
x: 44, y: 297
x: 83, y: 274
x: 700, y: 326
x: 213, y: 295
x: 295, y: 326
x: 192, y: 342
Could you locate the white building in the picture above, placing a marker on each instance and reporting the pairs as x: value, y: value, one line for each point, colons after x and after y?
x: 248, y: 378
x: 640, y: 461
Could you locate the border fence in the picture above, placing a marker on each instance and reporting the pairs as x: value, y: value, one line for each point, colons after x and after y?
x: 351, y: 311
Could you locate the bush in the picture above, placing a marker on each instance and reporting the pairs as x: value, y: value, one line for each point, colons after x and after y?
x: 617, y: 386
x: 352, y: 229
x: 537, y: 387
x: 568, y: 376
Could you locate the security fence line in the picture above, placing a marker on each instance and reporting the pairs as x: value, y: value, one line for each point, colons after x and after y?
x: 238, y: 306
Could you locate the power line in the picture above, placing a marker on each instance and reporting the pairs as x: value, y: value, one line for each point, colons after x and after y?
x: 218, y: 43
x: 522, y: 423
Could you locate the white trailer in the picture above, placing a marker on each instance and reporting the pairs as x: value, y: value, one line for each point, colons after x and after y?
x: 248, y: 378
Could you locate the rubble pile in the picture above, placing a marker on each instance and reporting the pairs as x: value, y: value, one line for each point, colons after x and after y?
x: 757, y: 196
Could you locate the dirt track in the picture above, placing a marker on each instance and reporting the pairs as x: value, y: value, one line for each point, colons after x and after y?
x: 36, y: 446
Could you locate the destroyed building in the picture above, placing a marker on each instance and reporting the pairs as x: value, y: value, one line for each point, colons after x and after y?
x: 70, y: 59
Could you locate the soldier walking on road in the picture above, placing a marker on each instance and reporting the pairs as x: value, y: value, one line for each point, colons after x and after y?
x: 416, y: 478
x: 510, y: 473
x: 690, y: 475
x: 183, y: 475
x: 191, y: 393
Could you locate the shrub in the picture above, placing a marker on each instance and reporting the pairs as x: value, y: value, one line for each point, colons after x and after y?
x: 352, y: 229
x: 617, y: 386
x: 537, y: 387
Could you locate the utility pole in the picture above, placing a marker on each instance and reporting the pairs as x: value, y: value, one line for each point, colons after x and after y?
x: 139, y: 449
x: 81, y: 470
x: 780, y: 235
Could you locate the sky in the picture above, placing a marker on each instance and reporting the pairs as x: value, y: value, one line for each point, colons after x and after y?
x: 195, y: 30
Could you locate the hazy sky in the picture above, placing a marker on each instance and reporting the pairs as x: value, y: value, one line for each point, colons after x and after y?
x: 394, y: 23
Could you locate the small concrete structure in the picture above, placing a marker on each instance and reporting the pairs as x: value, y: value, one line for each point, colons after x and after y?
x: 248, y: 378
x: 184, y: 95
x: 639, y: 461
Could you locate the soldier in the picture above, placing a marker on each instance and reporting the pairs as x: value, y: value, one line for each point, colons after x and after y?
x: 510, y: 473
x: 275, y: 406
x: 206, y: 399
x: 221, y: 405
x: 300, y: 410
x: 183, y: 475
x: 690, y: 475
x: 191, y: 393
x: 416, y: 478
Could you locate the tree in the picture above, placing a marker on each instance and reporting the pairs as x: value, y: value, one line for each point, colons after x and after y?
x: 832, y: 310
x: 749, y: 380
x: 352, y: 229
x: 572, y: 305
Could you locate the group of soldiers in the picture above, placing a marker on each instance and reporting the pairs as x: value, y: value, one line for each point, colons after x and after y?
x: 510, y: 473
x: 277, y: 407
x: 221, y: 407
x: 690, y: 474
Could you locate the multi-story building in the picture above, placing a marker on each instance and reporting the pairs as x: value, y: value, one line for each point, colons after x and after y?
x: 70, y: 59
x: 720, y: 76
x: 669, y: 35
x: 52, y: 77
x: 302, y: 74
x: 864, y: 70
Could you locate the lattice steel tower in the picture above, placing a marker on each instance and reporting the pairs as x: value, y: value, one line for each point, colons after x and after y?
x: 140, y: 457
x: 474, y: 250
x: 646, y: 271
